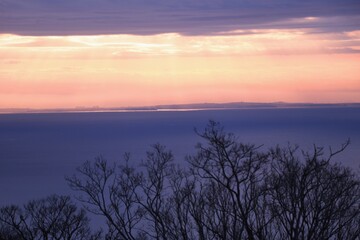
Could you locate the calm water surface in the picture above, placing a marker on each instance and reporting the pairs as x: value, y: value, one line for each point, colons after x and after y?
x: 38, y: 150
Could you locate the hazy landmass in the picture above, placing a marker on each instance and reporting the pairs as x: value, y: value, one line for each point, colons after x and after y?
x: 181, y: 107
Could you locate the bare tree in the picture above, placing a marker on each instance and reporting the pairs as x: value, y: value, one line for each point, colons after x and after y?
x: 283, y: 193
x: 311, y: 198
x: 227, y: 190
x: 135, y: 204
x: 110, y: 194
x: 155, y: 194
x: 231, y: 173
x: 54, y: 217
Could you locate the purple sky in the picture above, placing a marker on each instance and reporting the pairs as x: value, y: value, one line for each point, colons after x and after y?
x: 188, y: 17
x: 120, y: 53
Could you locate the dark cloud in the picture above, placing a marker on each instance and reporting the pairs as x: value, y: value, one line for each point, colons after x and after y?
x: 68, y: 17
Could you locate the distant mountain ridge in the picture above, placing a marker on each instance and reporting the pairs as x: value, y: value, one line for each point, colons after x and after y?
x: 181, y: 107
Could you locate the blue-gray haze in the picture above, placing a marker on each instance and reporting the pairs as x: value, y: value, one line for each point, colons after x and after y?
x: 38, y: 150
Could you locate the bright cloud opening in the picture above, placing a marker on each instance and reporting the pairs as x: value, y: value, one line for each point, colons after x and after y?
x: 129, y: 70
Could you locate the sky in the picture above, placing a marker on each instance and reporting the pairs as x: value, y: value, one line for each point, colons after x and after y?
x: 112, y: 53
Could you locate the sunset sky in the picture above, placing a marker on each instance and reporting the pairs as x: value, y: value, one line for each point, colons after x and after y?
x: 108, y: 53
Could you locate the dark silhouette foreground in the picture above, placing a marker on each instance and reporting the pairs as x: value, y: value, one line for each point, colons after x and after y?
x: 54, y: 217
x: 227, y: 190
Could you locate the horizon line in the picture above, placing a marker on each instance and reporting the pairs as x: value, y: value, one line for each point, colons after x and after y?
x: 178, y: 107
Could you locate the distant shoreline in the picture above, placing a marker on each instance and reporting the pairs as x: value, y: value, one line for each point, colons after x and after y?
x: 181, y: 107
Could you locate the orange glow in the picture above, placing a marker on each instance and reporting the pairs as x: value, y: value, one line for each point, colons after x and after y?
x: 127, y: 70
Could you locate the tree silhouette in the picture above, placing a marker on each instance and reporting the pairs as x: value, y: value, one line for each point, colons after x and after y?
x: 232, y: 174
x: 133, y: 203
x: 312, y: 198
x: 227, y: 190
x: 54, y: 217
